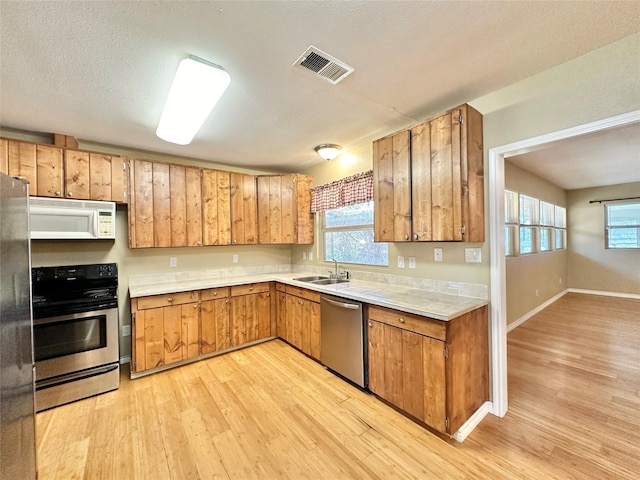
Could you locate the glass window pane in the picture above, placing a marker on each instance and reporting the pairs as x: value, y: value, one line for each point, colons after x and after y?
x: 510, y: 207
x: 509, y: 240
x: 358, y: 214
x: 623, y: 237
x: 623, y: 215
x: 527, y: 240
x: 546, y: 239
x: 561, y: 239
x: 528, y: 210
x: 355, y: 246
x: 546, y: 214
x: 561, y: 217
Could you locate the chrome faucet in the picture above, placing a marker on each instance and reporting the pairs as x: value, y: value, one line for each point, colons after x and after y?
x: 335, y: 262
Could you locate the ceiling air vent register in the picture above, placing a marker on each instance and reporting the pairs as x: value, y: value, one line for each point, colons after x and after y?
x: 323, y: 65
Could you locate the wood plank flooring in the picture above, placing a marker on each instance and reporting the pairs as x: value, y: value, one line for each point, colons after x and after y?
x: 269, y: 412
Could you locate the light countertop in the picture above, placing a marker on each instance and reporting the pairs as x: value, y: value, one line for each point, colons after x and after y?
x: 440, y: 306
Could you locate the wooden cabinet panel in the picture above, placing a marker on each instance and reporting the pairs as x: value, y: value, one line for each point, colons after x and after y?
x: 216, y: 207
x: 391, y: 188
x: 281, y: 312
x: 149, y: 339
x: 76, y: 174
x: 172, y: 325
x: 250, y: 318
x: 214, y: 293
x: 119, y: 179
x: 193, y: 195
x: 4, y: 156
x: 141, y: 205
x: 185, y: 206
x: 393, y: 368
x: 407, y: 321
x: 165, y: 300
x: 22, y: 162
x: 161, y: 205
x: 434, y: 384
x: 376, y: 358
x: 190, y: 317
x: 214, y: 323
x: 303, y: 293
x: 244, y: 215
x: 413, y: 391
x: 49, y: 166
x: 302, y: 198
x: 302, y: 320
x: 100, y: 175
x: 312, y: 312
x: 249, y: 288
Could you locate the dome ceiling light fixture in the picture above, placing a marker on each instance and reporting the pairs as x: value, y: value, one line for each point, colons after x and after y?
x: 328, y: 151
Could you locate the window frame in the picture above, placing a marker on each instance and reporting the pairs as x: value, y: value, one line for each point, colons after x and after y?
x: 609, y: 228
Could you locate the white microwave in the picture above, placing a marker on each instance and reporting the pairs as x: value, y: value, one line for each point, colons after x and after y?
x: 64, y: 219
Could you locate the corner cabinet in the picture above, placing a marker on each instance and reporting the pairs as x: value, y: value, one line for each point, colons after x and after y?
x: 435, y: 371
x: 284, y: 209
x: 429, y: 181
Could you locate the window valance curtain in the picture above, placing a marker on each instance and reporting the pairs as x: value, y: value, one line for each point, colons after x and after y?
x: 357, y: 188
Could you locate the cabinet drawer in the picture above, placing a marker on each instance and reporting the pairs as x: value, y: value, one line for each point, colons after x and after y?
x: 304, y: 293
x: 214, y: 293
x: 249, y: 288
x: 407, y: 321
x: 167, y: 299
x: 281, y: 287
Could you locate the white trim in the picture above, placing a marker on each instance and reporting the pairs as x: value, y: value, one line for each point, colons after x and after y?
x: 474, y: 420
x: 605, y: 293
x: 536, y: 310
x: 498, y: 311
x: 125, y: 359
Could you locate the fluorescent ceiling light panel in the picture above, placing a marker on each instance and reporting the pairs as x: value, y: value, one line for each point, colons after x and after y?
x: 196, y: 88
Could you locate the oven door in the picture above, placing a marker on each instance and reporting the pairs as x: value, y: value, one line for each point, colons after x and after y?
x: 75, y: 342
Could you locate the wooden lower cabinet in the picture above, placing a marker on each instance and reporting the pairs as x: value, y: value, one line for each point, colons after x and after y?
x: 302, y: 320
x: 166, y: 329
x: 250, y: 313
x: 440, y: 381
x: 281, y: 311
x: 215, y: 315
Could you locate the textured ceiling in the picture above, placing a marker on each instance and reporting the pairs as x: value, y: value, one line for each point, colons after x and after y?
x: 101, y: 70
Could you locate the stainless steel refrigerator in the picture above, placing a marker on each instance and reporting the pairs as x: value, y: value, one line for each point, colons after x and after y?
x: 17, y: 413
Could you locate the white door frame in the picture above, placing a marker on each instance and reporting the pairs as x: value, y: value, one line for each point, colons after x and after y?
x: 496, y: 244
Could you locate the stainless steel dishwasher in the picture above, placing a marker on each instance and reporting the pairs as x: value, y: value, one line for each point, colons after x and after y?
x: 343, y: 348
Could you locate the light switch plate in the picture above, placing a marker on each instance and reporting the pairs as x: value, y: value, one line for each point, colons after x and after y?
x: 400, y: 261
x: 235, y: 258
x: 473, y: 255
x: 412, y: 262
x: 126, y: 330
x: 437, y: 254
x: 310, y: 255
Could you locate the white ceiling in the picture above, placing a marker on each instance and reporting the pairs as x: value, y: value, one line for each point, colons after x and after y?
x: 607, y: 157
x: 101, y: 70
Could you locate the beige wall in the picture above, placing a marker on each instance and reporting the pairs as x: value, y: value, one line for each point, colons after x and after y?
x: 591, y: 266
x: 533, y: 279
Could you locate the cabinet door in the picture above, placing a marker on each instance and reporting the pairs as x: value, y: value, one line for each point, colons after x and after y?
x: 141, y: 213
x: 100, y: 174
x: 214, y: 320
x: 4, y: 156
x: 216, y: 207
x: 303, y: 228
x: 294, y: 321
x: 49, y: 166
x: 185, y: 206
x: 435, y: 391
x: 264, y: 314
x: 244, y: 215
x: 119, y: 179
x: 281, y: 312
x: 149, y: 339
x: 190, y: 317
x: 77, y: 174
x: 311, y: 316
x: 269, y: 209
x: 22, y: 162
x: 392, y: 188
x: 421, y: 182
x: 413, y: 394
x: 375, y: 336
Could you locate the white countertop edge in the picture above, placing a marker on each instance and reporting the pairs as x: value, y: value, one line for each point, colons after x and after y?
x: 457, y: 305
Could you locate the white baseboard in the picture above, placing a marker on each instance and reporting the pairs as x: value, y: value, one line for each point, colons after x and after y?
x: 605, y: 294
x: 538, y: 309
x: 474, y: 420
x: 125, y: 359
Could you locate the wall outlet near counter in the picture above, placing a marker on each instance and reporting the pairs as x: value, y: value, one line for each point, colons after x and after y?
x: 126, y: 330
x: 412, y: 262
x: 310, y: 255
x: 400, y: 261
x: 173, y: 261
x: 235, y: 258
x: 304, y: 255
x: 437, y: 254
x: 473, y: 255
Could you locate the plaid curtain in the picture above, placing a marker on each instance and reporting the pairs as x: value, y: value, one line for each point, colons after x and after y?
x: 357, y: 188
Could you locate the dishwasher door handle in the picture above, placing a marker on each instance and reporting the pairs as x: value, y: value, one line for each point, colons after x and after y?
x: 350, y: 306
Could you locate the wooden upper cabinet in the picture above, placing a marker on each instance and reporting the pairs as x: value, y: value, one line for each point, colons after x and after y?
x: 392, y: 188
x: 216, y: 207
x: 4, y: 156
x: 55, y: 171
x: 244, y: 214
x: 165, y: 208
x: 441, y: 198
x: 284, y: 209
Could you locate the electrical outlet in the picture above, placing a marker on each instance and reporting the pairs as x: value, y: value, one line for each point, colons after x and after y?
x: 126, y: 330
x: 437, y: 254
x: 412, y: 262
x: 473, y: 255
x: 400, y: 261
x: 310, y: 255
x: 304, y: 255
x: 235, y: 258
x: 173, y: 261
x: 537, y: 292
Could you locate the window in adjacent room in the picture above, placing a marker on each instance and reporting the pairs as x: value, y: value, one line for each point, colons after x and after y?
x: 510, y: 222
x: 560, y: 224
x: 348, y: 236
x: 622, y: 225
x: 529, y: 221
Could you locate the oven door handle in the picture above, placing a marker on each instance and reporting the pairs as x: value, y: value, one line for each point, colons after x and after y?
x: 92, y: 372
x: 72, y: 316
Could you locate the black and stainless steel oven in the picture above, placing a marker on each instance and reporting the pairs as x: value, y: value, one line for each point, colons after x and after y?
x: 75, y: 332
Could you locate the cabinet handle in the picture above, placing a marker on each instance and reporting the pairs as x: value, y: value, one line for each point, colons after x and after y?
x: 235, y: 241
x: 57, y: 194
x: 195, y: 305
x: 268, y: 294
x: 199, y: 242
x: 215, y: 294
x: 415, y: 236
x: 226, y: 301
x: 69, y: 194
x: 170, y: 299
x: 406, y: 237
x: 251, y: 289
x: 401, y: 320
x: 370, y: 324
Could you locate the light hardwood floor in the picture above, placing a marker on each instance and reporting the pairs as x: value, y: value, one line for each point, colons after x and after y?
x: 270, y: 412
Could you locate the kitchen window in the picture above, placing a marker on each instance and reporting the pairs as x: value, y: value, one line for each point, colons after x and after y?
x: 622, y: 225
x: 348, y: 236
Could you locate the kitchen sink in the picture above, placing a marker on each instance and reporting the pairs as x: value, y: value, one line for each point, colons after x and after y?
x: 311, y: 279
x: 329, y: 281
